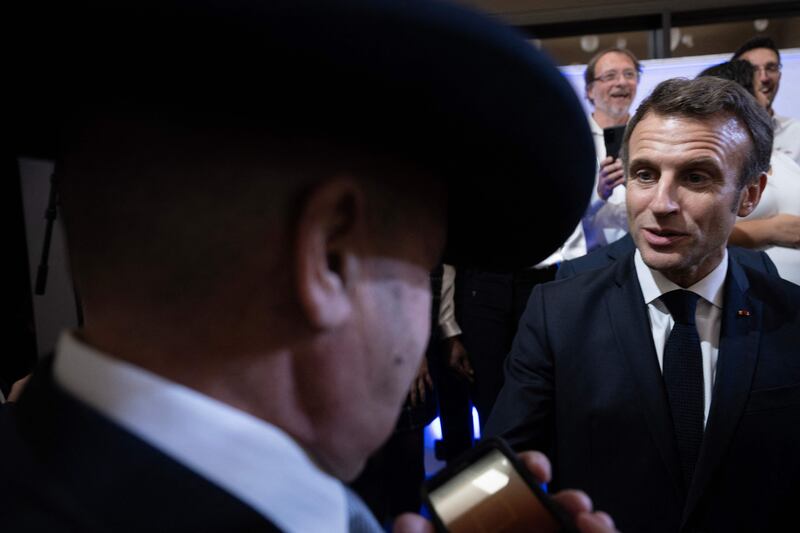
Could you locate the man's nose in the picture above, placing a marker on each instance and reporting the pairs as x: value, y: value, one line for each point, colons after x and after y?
x: 761, y: 74
x: 665, y: 197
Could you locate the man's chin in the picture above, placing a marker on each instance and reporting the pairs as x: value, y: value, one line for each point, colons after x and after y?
x: 663, y: 261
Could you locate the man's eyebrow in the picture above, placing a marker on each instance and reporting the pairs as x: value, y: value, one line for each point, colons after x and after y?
x: 696, y: 162
x: 703, y: 162
x: 641, y: 162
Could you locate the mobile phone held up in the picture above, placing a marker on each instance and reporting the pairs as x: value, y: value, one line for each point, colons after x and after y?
x: 489, y: 490
x: 613, y: 140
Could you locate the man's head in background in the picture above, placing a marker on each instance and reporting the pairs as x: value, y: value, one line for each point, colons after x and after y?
x: 696, y: 155
x: 740, y: 71
x: 765, y: 57
x: 611, y: 78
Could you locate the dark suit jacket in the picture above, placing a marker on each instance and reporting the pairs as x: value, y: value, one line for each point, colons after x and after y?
x: 66, y: 468
x: 608, y: 254
x: 583, y: 384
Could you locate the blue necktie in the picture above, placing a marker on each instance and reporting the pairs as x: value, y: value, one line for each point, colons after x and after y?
x: 683, y: 376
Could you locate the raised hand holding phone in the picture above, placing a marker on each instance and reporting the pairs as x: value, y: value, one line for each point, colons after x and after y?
x: 491, y: 488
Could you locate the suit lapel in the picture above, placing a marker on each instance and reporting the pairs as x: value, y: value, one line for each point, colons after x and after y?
x: 738, y: 354
x: 627, y: 314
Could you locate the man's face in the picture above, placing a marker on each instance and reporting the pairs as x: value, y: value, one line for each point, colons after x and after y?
x: 385, y: 342
x: 614, y: 86
x: 767, y: 74
x: 682, y: 192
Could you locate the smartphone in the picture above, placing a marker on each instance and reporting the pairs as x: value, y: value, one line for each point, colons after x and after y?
x: 489, y: 490
x: 613, y: 140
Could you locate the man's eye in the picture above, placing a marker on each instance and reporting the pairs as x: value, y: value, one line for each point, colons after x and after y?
x: 644, y: 175
x: 696, y: 179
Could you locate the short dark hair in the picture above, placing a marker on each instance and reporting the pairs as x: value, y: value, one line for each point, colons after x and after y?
x: 588, y: 74
x: 737, y: 70
x: 705, y: 97
x: 757, y: 42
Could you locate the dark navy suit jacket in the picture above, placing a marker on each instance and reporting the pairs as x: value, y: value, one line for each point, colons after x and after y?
x: 66, y: 468
x: 583, y: 385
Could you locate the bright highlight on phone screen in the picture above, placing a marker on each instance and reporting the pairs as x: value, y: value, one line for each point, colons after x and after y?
x: 486, y: 493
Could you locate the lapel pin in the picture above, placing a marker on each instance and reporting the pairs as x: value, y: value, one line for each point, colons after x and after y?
x: 742, y: 312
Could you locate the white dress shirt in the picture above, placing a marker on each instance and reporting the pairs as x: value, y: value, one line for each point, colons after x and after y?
x: 787, y: 136
x: 605, y: 221
x: 448, y: 327
x: 781, y: 195
x: 708, y: 316
x: 249, y: 458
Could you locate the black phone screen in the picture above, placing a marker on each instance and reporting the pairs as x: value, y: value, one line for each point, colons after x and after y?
x: 490, y: 495
x: 613, y: 140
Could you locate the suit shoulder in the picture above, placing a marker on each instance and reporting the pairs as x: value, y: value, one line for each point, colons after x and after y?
x: 777, y: 292
x: 589, y: 281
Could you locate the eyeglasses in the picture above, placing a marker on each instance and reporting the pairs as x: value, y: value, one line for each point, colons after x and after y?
x: 769, y: 68
x: 628, y: 74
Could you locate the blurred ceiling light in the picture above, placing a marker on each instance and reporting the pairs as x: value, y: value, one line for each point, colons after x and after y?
x: 674, y: 38
x: 760, y: 24
x: 589, y: 43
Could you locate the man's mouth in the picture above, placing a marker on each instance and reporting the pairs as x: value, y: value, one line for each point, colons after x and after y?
x: 662, y: 236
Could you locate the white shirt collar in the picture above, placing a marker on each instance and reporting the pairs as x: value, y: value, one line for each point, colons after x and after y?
x: 594, y: 126
x: 654, y: 283
x: 250, y: 458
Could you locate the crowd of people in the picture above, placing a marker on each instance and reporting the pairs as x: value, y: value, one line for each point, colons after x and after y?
x: 254, y: 253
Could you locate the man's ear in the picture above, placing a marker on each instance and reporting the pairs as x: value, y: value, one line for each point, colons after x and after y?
x: 587, y: 92
x: 329, y: 230
x: 751, y: 195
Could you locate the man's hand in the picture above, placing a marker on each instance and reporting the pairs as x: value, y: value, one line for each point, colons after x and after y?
x: 421, y: 385
x: 609, y: 176
x: 575, y: 502
x: 457, y: 359
x: 16, y: 389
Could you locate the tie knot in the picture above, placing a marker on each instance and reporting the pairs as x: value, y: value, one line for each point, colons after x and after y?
x: 681, y: 305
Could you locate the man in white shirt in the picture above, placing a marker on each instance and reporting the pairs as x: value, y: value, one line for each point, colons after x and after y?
x: 765, y: 57
x: 674, y: 367
x: 611, y: 77
x: 252, y: 252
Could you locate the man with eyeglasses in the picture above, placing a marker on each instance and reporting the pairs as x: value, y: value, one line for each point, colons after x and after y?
x: 765, y: 57
x: 611, y: 77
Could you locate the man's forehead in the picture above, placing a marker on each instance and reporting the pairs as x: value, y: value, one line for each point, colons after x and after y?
x: 723, y: 133
x: 760, y: 55
x: 612, y: 57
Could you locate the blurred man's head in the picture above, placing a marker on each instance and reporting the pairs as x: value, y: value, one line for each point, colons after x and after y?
x: 740, y: 71
x: 611, y: 79
x: 268, y: 243
x: 765, y: 57
x: 202, y: 252
x: 696, y: 154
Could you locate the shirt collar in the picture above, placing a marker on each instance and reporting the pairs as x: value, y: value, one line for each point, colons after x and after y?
x: 654, y: 283
x: 594, y: 126
x: 253, y: 460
